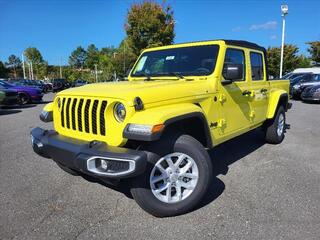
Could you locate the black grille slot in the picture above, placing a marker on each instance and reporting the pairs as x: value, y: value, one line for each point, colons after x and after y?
x: 102, y: 119
x: 80, y: 115
x: 73, y: 113
x: 68, y: 112
x: 94, y: 116
x: 62, y: 112
x: 86, y: 115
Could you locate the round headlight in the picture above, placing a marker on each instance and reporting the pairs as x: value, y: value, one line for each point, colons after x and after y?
x: 59, y: 103
x: 119, y: 112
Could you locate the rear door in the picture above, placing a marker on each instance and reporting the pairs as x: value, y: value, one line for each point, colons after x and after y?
x: 258, y: 86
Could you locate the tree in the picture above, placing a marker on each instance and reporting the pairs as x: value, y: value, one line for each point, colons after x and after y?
x: 78, y: 57
x: 149, y: 24
x: 291, y: 59
x: 92, y: 56
x: 3, y: 70
x: 34, y: 56
x: 13, y: 63
x: 314, y: 50
x: 304, y: 62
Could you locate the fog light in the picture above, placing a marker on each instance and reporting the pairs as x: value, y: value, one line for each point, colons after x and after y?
x: 104, y: 164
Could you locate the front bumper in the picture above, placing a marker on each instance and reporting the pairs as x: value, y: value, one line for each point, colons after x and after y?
x: 84, y: 156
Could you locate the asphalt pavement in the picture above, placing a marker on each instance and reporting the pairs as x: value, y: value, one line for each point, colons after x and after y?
x: 260, y: 191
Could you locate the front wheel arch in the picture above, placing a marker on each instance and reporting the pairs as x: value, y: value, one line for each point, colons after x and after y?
x: 193, y: 124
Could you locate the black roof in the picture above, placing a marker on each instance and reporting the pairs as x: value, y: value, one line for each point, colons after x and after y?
x: 246, y: 44
x: 239, y: 43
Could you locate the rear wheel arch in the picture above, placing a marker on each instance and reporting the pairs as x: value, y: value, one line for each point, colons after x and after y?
x: 280, y: 100
x: 283, y: 101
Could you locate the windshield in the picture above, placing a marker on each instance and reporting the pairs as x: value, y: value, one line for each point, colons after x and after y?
x: 184, y: 61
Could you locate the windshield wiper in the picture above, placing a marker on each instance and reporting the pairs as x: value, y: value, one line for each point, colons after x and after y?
x: 143, y: 74
x: 176, y: 74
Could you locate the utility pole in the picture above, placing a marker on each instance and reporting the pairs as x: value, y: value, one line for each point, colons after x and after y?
x: 124, y: 58
x: 23, y: 67
x: 32, y: 77
x: 29, y: 70
x: 96, y: 72
x: 284, y: 10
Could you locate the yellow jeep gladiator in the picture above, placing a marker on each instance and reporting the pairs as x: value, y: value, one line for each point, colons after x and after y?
x: 153, y: 131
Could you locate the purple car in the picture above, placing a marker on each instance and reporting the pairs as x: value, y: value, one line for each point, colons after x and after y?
x: 26, y: 94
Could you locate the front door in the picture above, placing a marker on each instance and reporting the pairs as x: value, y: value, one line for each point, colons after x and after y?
x: 234, y: 98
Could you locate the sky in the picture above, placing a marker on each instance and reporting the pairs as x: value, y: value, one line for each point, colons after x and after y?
x: 57, y: 27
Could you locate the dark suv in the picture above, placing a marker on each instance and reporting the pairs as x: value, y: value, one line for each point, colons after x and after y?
x: 306, y: 81
x: 59, y: 84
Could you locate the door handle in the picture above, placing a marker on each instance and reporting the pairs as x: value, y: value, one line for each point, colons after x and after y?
x: 264, y: 90
x: 246, y: 93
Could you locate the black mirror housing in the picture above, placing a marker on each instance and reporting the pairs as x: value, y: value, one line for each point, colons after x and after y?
x: 232, y: 71
x: 226, y: 82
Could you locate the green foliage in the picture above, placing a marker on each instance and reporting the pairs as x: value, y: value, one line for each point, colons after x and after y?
x: 78, y: 57
x: 92, y: 56
x: 3, y: 70
x: 291, y: 59
x: 314, y: 50
x: 33, y: 55
x: 304, y: 62
x: 39, y: 66
x: 105, y: 66
x: 14, y: 65
x: 148, y: 25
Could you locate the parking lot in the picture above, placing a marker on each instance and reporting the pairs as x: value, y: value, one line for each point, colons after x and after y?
x: 260, y: 191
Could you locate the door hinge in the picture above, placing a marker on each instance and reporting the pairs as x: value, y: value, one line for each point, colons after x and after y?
x: 221, y: 122
x: 252, y: 114
x: 222, y: 98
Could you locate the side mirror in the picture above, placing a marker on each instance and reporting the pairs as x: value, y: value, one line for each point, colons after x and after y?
x: 232, y: 71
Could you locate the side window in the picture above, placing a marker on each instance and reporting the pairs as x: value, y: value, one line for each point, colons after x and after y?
x: 256, y: 66
x: 236, y: 57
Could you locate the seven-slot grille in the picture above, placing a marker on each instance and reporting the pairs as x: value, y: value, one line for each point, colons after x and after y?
x: 84, y: 115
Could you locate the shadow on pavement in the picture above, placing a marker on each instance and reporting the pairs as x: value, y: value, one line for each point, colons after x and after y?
x: 8, y: 111
x: 235, y: 149
x: 311, y: 102
x: 122, y: 187
x: 19, y: 106
x: 44, y: 102
x: 226, y: 154
x: 222, y: 157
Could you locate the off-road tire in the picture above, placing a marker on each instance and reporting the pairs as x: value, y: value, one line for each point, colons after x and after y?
x: 141, y: 189
x: 271, y: 129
